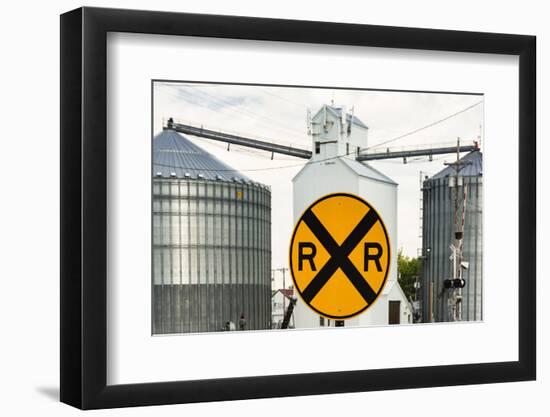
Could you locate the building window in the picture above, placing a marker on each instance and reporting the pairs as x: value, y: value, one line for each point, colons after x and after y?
x: 347, y: 148
x: 339, y: 323
x: 321, y: 321
x: 317, y: 147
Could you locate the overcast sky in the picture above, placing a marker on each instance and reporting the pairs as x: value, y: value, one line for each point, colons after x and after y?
x: 278, y: 114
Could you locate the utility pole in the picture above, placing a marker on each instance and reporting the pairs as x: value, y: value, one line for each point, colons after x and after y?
x: 456, y: 283
x: 283, y: 270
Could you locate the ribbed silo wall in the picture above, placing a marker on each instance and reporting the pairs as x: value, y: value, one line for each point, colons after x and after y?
x: 211, y: 255
x: 438, y: 234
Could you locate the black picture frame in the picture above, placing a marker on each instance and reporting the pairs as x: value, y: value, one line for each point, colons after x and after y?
x: 84, y: 207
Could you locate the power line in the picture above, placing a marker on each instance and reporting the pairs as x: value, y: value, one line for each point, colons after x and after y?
x: 228, y: 107
x: 301, y: 106
x: 242, y: 109
x: 262, y: 88
x: 254, y: 114
x: 426, y: 126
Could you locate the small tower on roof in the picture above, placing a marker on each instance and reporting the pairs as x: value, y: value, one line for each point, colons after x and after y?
x: 335, y: 132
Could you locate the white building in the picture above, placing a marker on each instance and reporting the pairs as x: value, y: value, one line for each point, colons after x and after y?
x: 337, y: 137
x: 280, y: 300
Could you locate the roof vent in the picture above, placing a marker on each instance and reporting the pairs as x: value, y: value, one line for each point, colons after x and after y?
x: 200, y: 176
x: 159, y: 174
x: 187, y: 175
x: 173, y: 175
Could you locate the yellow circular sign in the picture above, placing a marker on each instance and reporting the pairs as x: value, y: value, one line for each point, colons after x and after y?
x: 340, y: 256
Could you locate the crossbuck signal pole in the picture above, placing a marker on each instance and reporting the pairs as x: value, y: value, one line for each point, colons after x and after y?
x: 456, y: 270
x: 461, y: 281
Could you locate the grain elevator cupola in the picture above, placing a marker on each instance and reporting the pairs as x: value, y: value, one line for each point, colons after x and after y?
x: 336, y: 132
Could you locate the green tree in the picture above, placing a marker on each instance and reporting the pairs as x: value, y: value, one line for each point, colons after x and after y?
x: 408, y: 269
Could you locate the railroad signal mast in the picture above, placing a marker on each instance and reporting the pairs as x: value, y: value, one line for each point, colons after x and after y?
x: 457, y: 282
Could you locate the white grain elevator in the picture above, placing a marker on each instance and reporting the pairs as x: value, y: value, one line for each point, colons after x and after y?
x: 337, y: 137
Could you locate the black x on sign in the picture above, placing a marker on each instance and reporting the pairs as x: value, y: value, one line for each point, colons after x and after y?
x: 339, y: 256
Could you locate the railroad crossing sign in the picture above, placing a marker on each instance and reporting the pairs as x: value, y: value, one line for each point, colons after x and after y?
x: 339, y: 256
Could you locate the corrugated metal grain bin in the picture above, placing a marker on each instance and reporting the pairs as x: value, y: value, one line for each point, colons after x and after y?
x: 211, y: 241
x: 437, y: 235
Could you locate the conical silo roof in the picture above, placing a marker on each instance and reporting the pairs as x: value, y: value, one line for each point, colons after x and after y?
x: 175, y: 155
x: 473, y: 169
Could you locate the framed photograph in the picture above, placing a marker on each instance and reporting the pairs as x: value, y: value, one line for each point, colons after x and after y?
x: 238, y: 190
